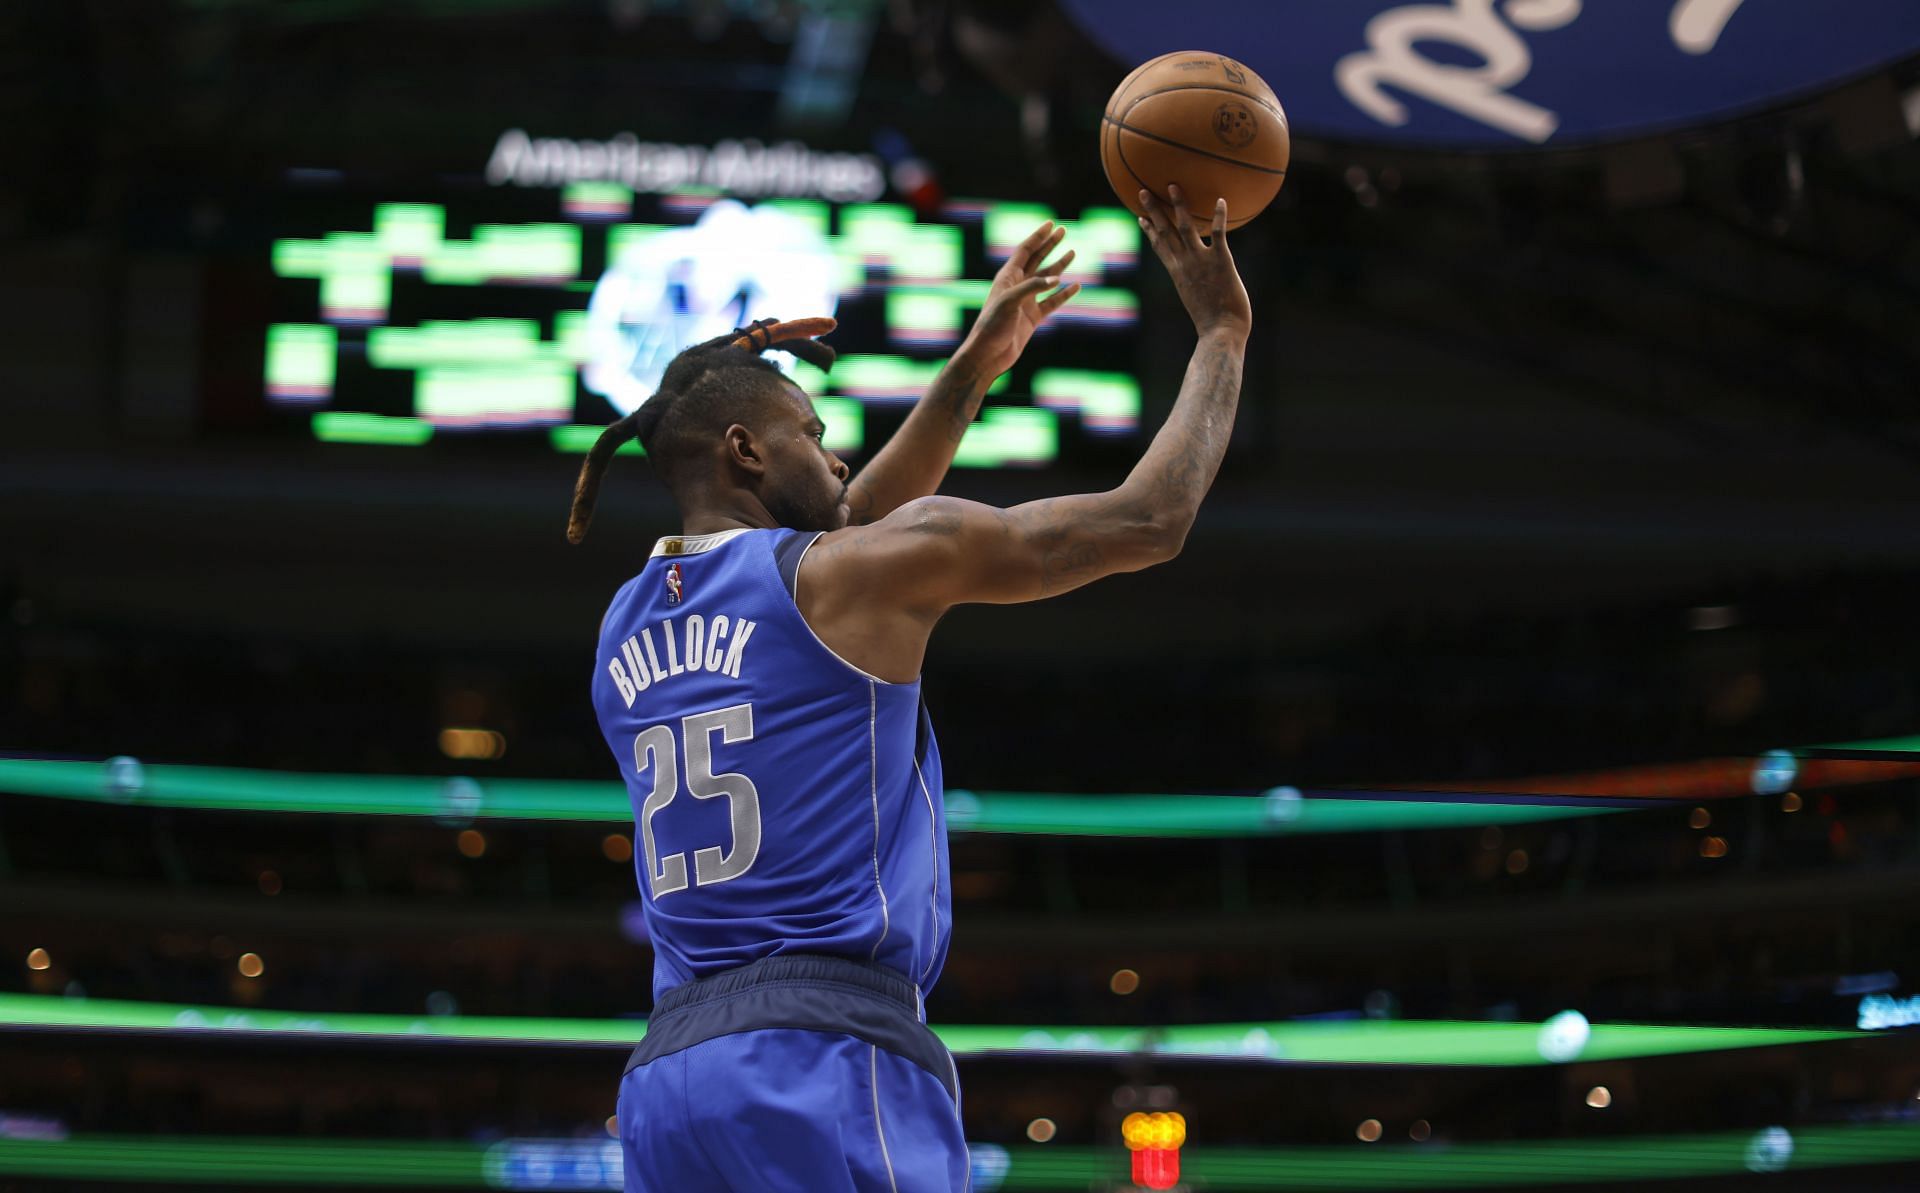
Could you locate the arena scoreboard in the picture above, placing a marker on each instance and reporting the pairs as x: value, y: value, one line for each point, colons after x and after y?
x: 542, y: 316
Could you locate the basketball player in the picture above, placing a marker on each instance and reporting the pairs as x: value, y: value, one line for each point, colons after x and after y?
x: 759, y: 685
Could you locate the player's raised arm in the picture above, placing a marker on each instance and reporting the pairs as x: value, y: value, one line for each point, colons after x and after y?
x: 916, y: 459
x: 939, y: 552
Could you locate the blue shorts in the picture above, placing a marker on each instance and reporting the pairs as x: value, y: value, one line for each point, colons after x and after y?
x: 810, y: 1074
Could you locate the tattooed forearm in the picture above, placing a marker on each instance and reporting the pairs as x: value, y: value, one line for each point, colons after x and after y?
x: 955, y: 397
x: 1065, y: 540
x: 915, y: 460
x: 1064, y: 567
x: 1179, y: 467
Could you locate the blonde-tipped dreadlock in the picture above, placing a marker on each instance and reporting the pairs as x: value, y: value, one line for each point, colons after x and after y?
x: 689, y: 378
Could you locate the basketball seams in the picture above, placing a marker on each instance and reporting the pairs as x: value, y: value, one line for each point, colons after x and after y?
x: 1120, y: 147
x: 1146, y: 68
x: 1135, y: 101
x: 1219, y: 157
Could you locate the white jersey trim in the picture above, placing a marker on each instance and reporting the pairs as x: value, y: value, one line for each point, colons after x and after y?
x: 873, y: 1083
x: 872, y: 740
x: 693, y: 544
x: 873, y: 771
x: 933, y: 832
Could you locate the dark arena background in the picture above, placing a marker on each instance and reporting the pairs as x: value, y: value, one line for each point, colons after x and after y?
x: 1515, y: 783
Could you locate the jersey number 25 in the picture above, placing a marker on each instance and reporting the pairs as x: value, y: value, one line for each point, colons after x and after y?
x: 655, y: 749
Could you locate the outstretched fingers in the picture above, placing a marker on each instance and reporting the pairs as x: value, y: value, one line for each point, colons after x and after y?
x: 1058, y: 298
x: 1182, y: 221
x: 1154, y: 224
x: 1033, y: 287
x: 1058, y: 265
x: 1036, y: 246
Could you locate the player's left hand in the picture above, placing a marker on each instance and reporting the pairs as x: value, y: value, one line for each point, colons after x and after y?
x: 1014, y: 309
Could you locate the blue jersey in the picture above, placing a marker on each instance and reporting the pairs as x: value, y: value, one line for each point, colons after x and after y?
x: 784, y: 800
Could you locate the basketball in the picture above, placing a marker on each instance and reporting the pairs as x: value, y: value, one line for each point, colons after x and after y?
x: 1200, y: 120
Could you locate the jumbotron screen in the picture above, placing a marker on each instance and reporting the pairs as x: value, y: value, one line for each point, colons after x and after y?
x: 543, y: 315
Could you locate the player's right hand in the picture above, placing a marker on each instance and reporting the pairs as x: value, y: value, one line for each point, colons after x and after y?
x: 1203, y: 270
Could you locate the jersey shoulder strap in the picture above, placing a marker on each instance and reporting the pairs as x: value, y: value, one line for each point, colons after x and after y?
x: 786, y: 555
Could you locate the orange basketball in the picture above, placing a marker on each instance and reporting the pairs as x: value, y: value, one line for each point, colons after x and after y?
x: 1203, y: 121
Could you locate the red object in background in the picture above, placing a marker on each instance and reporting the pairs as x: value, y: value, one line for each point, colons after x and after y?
x: 1156, y: 1167
x: 1154, y: 1140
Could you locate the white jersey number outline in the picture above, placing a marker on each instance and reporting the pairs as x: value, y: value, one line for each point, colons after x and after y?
x: 655, y: 748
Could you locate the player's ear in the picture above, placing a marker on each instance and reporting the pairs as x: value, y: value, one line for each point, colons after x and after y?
x: 743, y: 450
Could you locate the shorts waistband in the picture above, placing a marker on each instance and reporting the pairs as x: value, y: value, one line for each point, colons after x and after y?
x: 804, y: 993
x: 794, y: 968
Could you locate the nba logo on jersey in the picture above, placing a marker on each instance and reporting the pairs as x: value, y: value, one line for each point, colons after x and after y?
x: 674, y: 584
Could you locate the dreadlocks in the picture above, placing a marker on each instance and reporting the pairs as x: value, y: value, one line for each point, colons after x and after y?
x: 701, y: 386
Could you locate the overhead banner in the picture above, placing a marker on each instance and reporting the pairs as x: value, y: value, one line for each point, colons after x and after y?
x: 1487, y: 74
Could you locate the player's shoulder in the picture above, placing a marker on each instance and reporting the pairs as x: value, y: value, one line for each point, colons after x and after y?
x: 921, y: 528
x: 933, y: 517
x: 907, y: 558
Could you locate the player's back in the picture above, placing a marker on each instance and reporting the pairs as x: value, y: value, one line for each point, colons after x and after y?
x: 785, y: 802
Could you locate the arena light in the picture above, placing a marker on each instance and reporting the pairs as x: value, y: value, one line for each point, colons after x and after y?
x: 483, y: 744
x: 1346, y: 1042
x: 1564, y: 1037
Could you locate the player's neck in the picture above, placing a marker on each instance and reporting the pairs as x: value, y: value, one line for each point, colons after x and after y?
x: 734, y: 511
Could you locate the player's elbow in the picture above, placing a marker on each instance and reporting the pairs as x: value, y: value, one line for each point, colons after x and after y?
x: 1156, y: 538
x: 1143, y: 530
x: 1170, y: 538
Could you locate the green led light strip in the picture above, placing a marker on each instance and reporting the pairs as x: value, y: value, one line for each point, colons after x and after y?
x: 246, y: 1161
x: 295, y: 1161
x: 1053, y: 814
x: 1344, y: 1041
x: 1591, y: 1161
x: 1879, y: 747
x: 220, y: 788
x: 1277, y: 812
